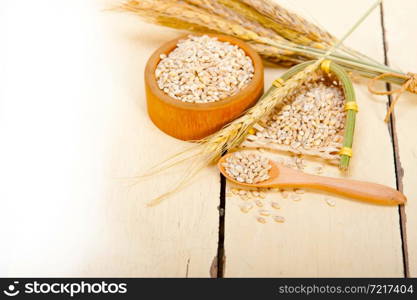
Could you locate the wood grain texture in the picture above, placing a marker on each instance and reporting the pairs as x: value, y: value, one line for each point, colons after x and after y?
x: 194, y: 121
x: 79, y: 131
x: 350, y: 239
x: 399, y: 19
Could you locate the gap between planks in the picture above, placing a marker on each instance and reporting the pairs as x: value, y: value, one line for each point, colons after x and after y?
x: 222, y: 212
x: 399, y: 172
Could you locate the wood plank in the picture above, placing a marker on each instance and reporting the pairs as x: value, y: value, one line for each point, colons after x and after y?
x: 399, y: 21
x: 350, y: 239
x: 76, y: 126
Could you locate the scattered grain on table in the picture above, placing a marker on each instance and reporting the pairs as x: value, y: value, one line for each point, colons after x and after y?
x: 279, y: 219
x: 330, y: 202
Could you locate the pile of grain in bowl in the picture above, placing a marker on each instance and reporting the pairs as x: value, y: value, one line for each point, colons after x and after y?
x: 247, y: 167
x: 203, y: 69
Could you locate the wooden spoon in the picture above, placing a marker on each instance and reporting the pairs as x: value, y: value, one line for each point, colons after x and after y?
x: 283, y: 177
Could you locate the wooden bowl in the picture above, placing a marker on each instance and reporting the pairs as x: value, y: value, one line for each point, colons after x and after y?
x: 193, y: 121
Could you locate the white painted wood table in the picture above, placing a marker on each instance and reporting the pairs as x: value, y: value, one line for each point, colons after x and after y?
x: 73, y: 127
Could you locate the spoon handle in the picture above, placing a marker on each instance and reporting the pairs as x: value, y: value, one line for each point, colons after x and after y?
x: 365, y: 191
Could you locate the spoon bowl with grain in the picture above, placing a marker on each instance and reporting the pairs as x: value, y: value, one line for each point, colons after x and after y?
x: 232, y: 166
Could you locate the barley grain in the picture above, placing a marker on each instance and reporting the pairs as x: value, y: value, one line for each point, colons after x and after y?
x: 261, y: 220
x: 296, y: 198
x: 279, y: 219
x: 245, y: 197
x: 299, y: 191
x: 259, y: 203
x: 285, y: 194
x: 264, y: 213
x: 330, y: 202
x: 275, y: 205
x: 246, y: 208
x: 242, y: 192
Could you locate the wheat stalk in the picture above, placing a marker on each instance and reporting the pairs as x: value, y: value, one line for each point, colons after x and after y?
x: 275, y: 55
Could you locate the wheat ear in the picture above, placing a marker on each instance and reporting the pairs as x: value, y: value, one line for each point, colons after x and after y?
x: 292, y: 25
x: 216, y: 8
x: 185, y: 16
